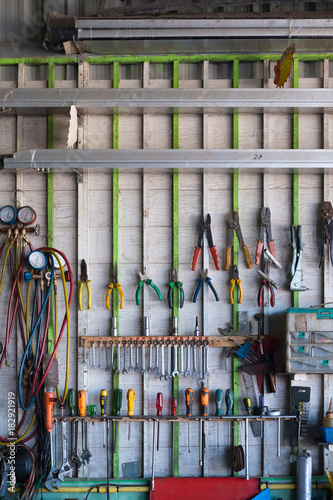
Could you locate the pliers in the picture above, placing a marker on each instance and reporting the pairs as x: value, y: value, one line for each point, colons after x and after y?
x: 84, y: 281
x: 234, y: 225
x: 144, y: 278
x: 265, y: 226
x: 205, y: 228
x: 326, y: 230
x: 266, y: 281
x: 114, y: 282
x: 236, y: 281
x: 204, y: 277
x: 174, y: 282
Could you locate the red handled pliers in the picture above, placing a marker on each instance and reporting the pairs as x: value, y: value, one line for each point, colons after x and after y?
x: 205, y: 228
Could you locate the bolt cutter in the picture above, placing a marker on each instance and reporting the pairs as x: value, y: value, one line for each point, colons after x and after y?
x: 204, y: 277
x: 205, y: 228
x: 265, y: 226
x: 178, y: 284
x: 114, y: 282
x: 234, y: 225
x: 144, y: 278
x: 84, y: 281
x: 236, y: 281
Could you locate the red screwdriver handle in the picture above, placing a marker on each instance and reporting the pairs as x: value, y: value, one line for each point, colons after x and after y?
x: 196, y: 254
x: 215, y: 257
x: 260, y: 246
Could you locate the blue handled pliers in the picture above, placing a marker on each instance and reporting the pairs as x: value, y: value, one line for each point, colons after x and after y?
x: 204, y: 277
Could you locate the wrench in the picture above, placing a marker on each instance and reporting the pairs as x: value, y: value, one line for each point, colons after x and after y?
x: 168, y: 375
x: 112, y: 353
x: 175, y: 371
x: 52, y: 477
x: 206, y: 352
x: 156, y: 369
x: 136, y: 368
x: 66, y: 469
x: 195, y: 372
x: 75, y: 459
x: 118, y: 356
x: 188, y: 358
x: 93, y: 366
x: 181, y: 358
x: 100, y: 364
x: 124, y: 369
x: 162, y: 361
x: 143, y: 358
x: 130, y: 368
x: 107, y: 369
x: 150, y: 368
x: 85, y: 452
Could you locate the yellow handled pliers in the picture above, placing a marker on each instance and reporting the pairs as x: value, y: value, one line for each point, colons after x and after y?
x: 114, y: 282
x: 84, y: 281
x: 236, y: 280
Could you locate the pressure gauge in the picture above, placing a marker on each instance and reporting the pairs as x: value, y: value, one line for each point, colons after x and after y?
x: 37, y: 260
x: 26, y: 215
x: 55, y: 261
x: 8, y: 214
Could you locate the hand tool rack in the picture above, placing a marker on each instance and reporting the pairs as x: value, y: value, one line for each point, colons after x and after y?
x: 214, y: 341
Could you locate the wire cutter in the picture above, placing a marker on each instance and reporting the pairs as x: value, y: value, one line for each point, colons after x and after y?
x: 326, y: 230
x: 204, y: 277
x: 234, y: 225
x: 236, y: 281
x: 178, y: 284
x: 265, y: 226
x: 144, y: 278
x: 84, y: 281
x: 205, y: 228
x: 114, y: 282
x: 266, y: 281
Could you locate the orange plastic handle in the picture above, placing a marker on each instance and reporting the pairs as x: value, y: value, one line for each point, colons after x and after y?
x: 49, y: 400
x: 227, y: 259
x: 260, y: 246
x: 247, y: 257
x: 195, y: 257
x: 82, y: 403
x: 215, y: 257
x: 271, y: 247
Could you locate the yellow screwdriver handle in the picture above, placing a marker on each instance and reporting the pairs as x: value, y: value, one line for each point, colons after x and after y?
x: 130, y: 402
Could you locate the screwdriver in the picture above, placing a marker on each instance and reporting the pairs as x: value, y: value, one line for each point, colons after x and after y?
x: 82, y: 403
x: 189, y: 404
x: 159, y: 406
x: 117, y: 401
x: 218, y: 413
x: 130, y: 408
x: 103, y: 399
x: 72, y: 409
x: 204, y: 399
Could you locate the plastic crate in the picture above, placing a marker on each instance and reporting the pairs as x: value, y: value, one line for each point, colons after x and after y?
x: 326, y: 433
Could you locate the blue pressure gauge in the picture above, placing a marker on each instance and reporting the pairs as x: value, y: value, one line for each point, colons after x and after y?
x: 8, y: 214
x: 37, y: 260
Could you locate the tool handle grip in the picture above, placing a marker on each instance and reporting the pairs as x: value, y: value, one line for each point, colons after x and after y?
x: 227, y: 259
x: 107, y: 298
x: 211, y: 286
x: 121, y: 295
x: 260, y: 246
x: 231, y: 293
x: 137, y: 293
x: 196, y: 254
x: 197, y: 290
x: 89, y: 296
x: 271, y: 248
x: 80, y: 292
x: 240, y: 289
x: 247, y: 257
x: 215, y: 257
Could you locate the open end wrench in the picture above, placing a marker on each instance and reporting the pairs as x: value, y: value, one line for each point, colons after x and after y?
x: 150, y: 368
x: 168, y: 375
x: 162, y: 361
x: 143, y: 357
x: 175, y: 371
x: 130, y: 368
x: 124, y: 347
x: 107, y: 369
x: 156, y: 368
x: 118, y: 356
x: 195, y: 373
x: 136, y: 367
x: 188, y: 358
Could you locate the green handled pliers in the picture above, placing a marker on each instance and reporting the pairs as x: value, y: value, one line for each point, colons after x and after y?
x: 144, y: 278
x: 178, y: 284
